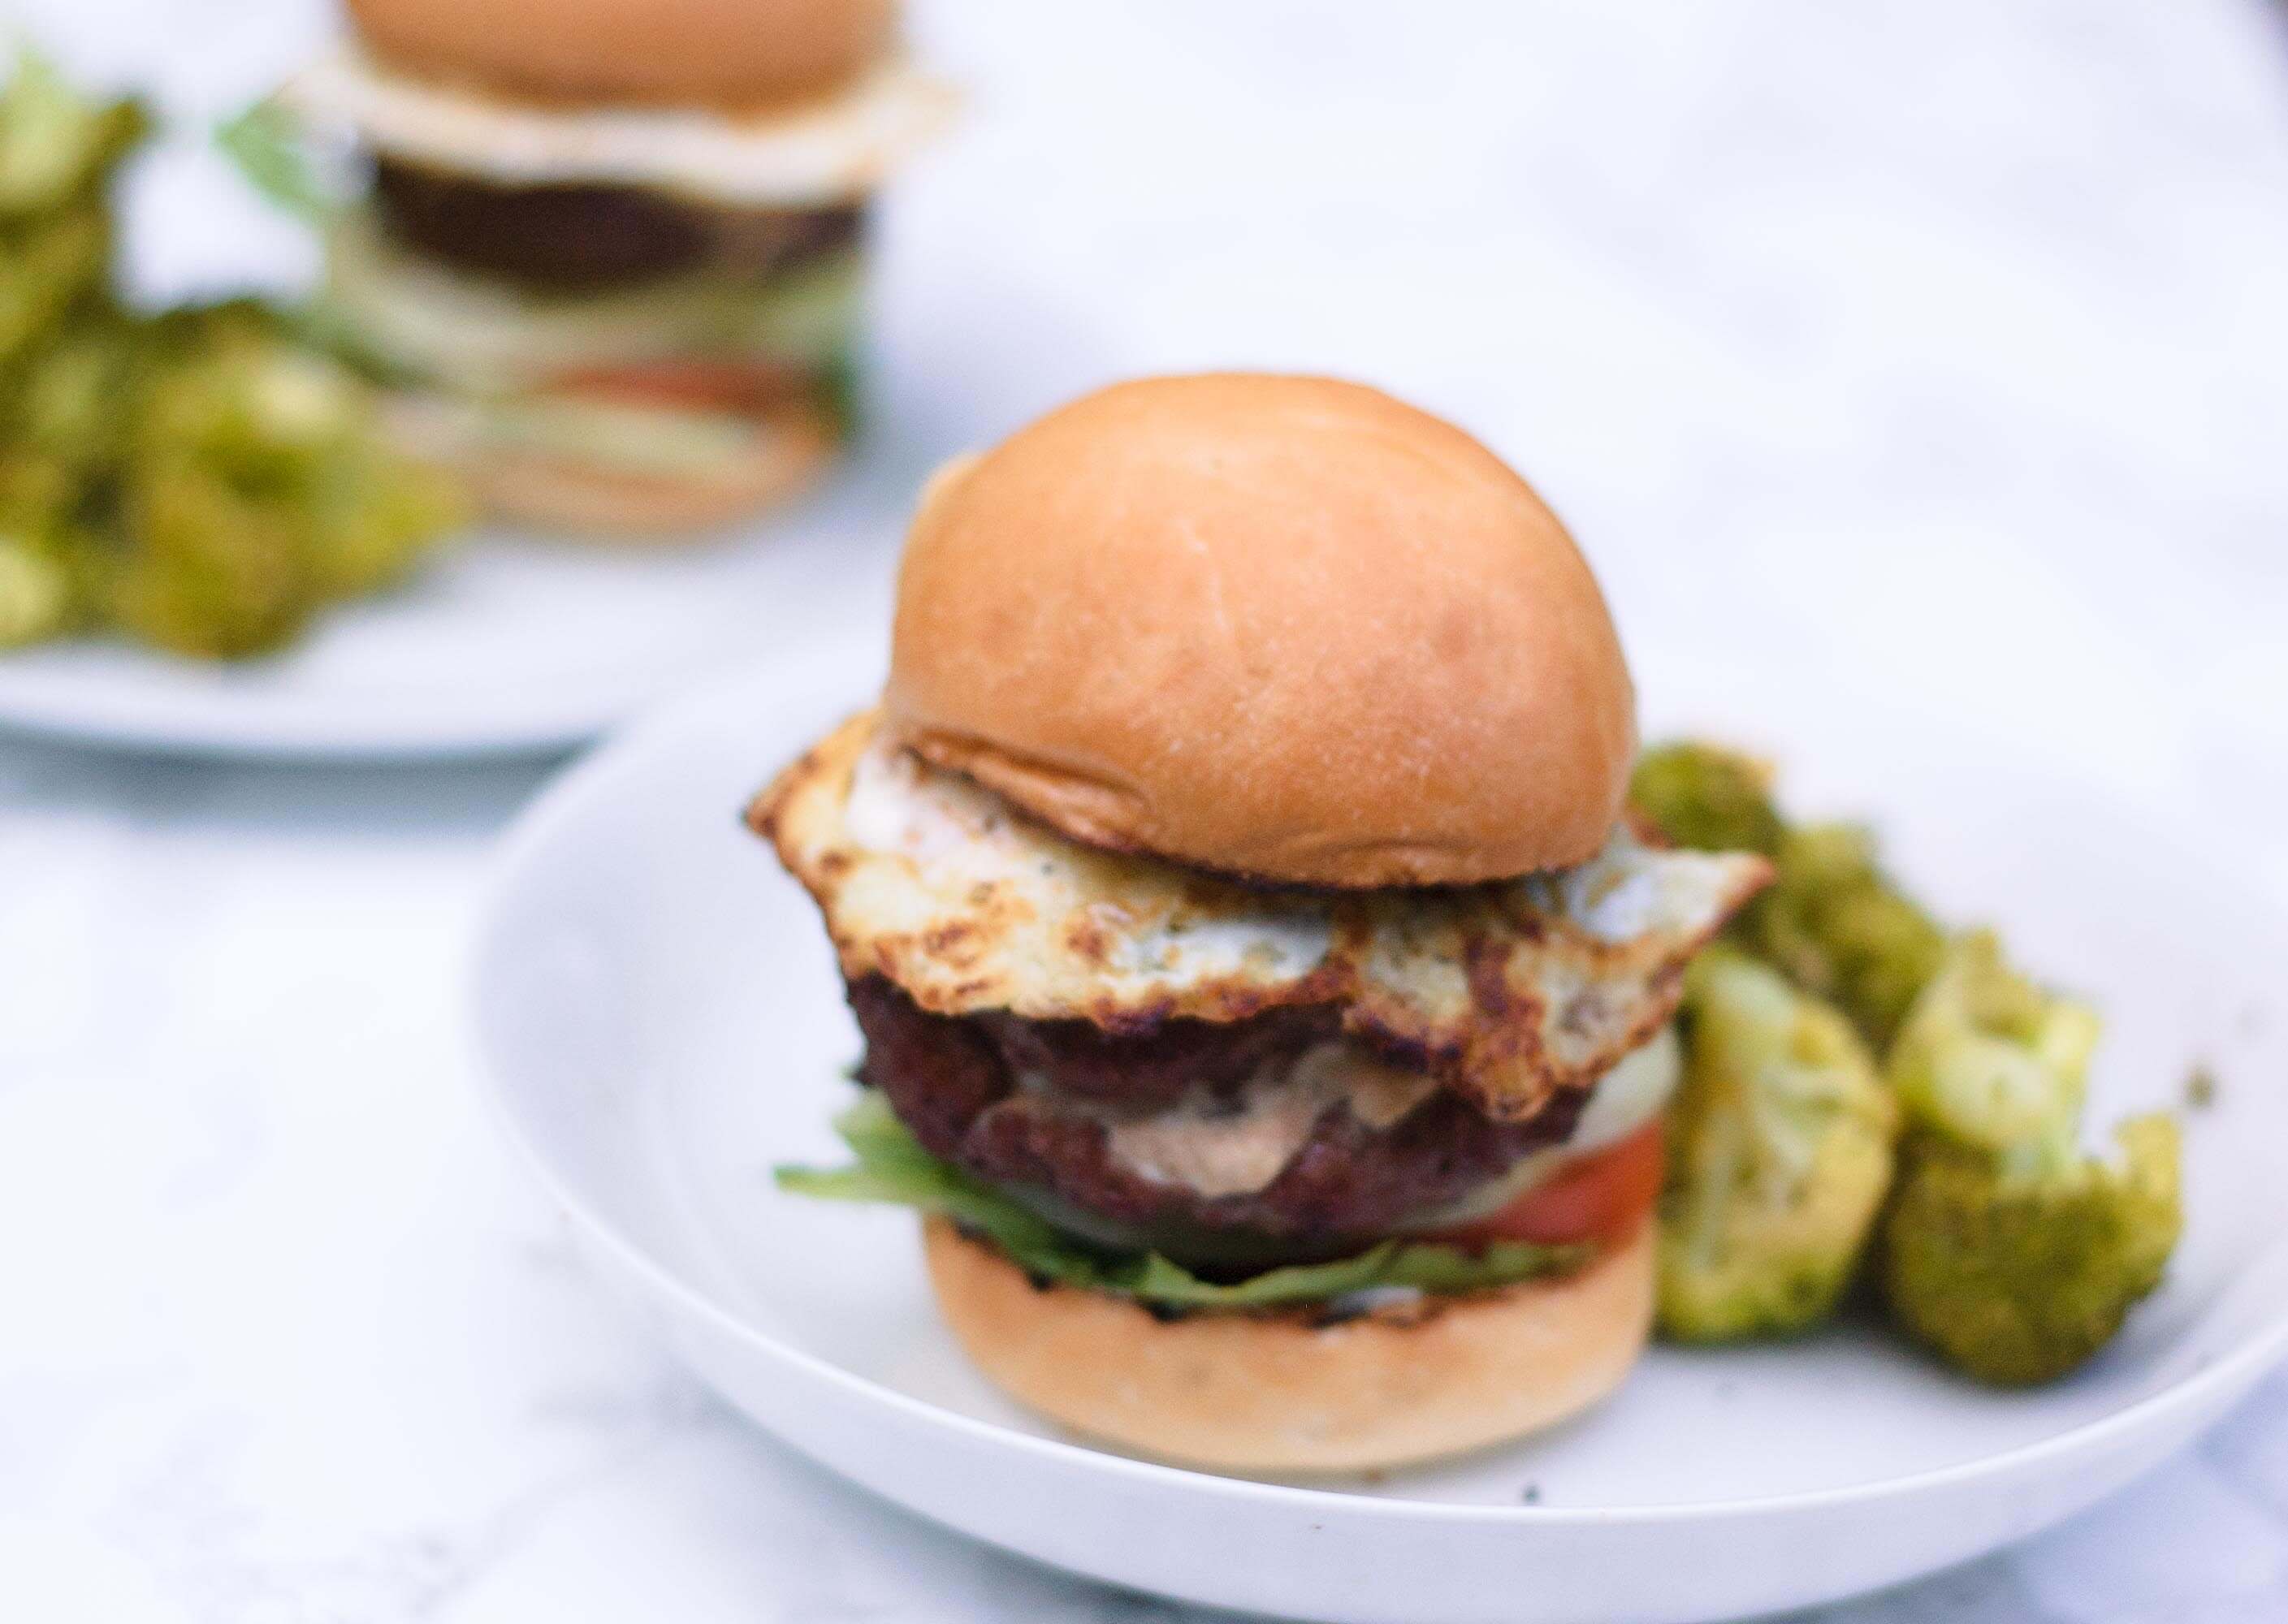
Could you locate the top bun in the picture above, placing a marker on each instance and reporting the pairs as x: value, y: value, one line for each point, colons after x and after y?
x: 1284, y: 628
x: 674, y: 52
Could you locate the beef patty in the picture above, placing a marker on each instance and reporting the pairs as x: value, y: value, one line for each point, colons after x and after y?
x: 1023, y: 1104
x: 583, y: 238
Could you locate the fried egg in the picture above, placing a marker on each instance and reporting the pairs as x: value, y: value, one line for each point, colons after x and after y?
x: 818, y: 153
x: 1509, y: 991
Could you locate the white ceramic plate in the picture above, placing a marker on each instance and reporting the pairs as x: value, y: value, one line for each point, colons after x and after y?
x: 662, y: 1021
x: 511, y: 643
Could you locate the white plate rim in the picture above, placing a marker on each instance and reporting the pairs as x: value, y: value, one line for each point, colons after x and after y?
x: 785, y: 680
x: 110, y: 694
x: 176, y: 723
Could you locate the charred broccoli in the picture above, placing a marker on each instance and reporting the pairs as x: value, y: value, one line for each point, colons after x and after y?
x: 57, y: 146
x: 1831, y: 921
x: 2006, y: 1250
x: 2004, y: 1247
x: 198, y: 478
x: 1836, y: 925
x: 2017, y: 1272
x: 1780, y: 1154
x: 257, y: 492
x: 1991, y: 1060
x: 1708, y: 799
x: 35, y: 589
x: 57, y: 152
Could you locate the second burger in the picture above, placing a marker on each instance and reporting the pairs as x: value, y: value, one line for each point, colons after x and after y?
x: 608, y: 253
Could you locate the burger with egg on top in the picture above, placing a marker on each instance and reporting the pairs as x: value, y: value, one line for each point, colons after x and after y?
x: 1265, y: 991
x: 607, y: 252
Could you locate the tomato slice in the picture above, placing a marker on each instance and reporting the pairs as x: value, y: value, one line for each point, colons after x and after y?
x: 1597, y: 1197
x: 731, y: 386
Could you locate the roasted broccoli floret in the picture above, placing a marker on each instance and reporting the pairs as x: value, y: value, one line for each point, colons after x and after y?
x: 1988, y: 1059
x: 1707, y: 798
x: 61, y: 430
x: 57, y: 152
x: 199, y: 479
x: 1780, y: 1155
x: 258, y: 491
x: 56, y: 144
x: 2017, y: 1272
x: 34, y: 591
x: 1836, y: 925
x: 2006, y: 1250
x: 1832, y: 920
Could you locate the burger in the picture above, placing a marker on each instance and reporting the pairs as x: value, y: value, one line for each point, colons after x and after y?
x: 608, y: 251
x: 1265, y: 991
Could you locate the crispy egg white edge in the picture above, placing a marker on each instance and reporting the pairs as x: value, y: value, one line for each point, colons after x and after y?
x: 942, y: 825
x: 927, y: 840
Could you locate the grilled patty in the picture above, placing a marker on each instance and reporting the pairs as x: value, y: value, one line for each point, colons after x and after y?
x: 1023, y: 1104
x: 581, y: 239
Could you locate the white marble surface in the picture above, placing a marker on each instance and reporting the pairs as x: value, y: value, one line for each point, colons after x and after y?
x: 1932, y: 351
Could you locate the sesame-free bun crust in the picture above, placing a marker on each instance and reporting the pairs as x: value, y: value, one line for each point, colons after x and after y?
x: 668, y: 52
x: 1286, y: 628
x: 1274, y: 1393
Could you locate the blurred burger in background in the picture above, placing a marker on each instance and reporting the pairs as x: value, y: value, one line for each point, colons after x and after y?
x: 607, y: 253
x: 1265, y: 990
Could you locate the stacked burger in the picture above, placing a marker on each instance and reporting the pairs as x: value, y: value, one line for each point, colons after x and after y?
x: 609, y: 254
x: 1264, y: 990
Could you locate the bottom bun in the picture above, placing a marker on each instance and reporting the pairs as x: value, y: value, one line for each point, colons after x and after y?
x: 1283, y: 1392
x: 523, y: 486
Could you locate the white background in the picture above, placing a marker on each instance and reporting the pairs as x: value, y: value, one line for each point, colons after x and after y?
x: 1932, y: 351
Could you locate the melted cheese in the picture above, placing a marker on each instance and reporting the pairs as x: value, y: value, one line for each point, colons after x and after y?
x: 1222, y: 1145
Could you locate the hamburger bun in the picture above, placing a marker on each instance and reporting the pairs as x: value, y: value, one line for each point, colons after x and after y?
x: 1279, y: 1393
x: 792, y: 447
x: 660, y: 53
x: 1285, y: 627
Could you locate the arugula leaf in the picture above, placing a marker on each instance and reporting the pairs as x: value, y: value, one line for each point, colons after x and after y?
x: 267, y: 146
x: 891, y: 1167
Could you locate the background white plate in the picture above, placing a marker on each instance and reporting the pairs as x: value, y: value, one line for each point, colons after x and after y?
x: 508, y: 642
x: 660, y: 1013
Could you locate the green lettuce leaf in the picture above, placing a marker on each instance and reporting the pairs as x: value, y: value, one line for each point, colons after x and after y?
x: 422, y: 319
x: 266, y: 145
x: 891, y: 1167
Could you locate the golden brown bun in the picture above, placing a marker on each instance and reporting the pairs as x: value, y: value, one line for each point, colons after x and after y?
x: 718, y: 52
x: 1282, y: 627
x: 1275, y: 1393
x: 793, y: 446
